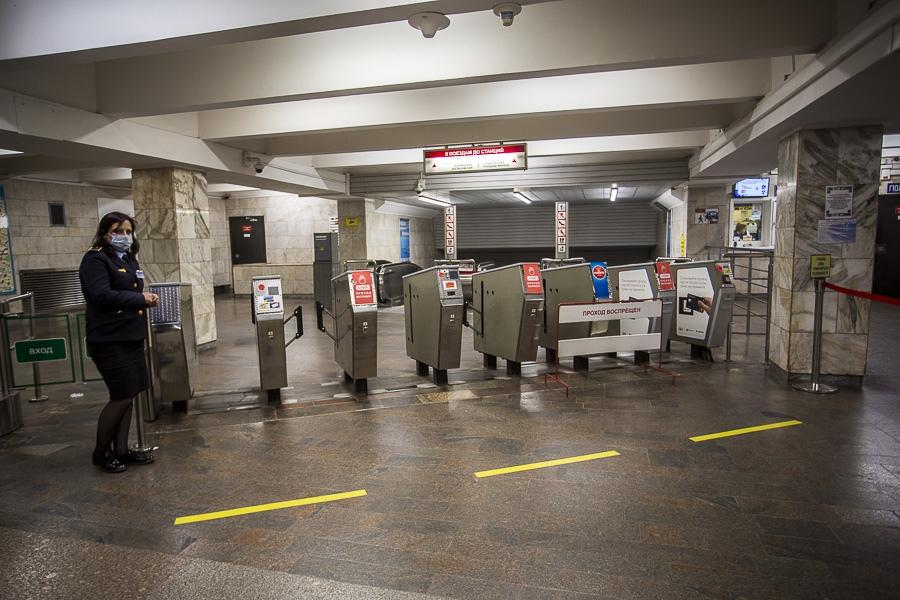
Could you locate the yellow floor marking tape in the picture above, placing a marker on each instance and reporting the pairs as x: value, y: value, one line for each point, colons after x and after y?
x: 235, y: 512
x: 722, y: 434
x: 546, y: 463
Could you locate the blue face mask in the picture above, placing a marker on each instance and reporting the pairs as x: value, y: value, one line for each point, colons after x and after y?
x: 121, y: 242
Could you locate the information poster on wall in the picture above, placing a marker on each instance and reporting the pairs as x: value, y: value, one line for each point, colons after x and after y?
x: 838, y: 201
x: 635, y: 285
x: 7, y: 274
x: 837, y: 231
x: 706, y: 216
x: 695, y: 300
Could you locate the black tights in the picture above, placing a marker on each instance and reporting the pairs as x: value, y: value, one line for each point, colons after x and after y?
x: 113, y: 426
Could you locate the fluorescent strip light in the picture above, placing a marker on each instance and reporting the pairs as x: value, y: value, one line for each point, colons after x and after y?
x: 8, y: 152
x: 522, y: 197
x: 613, y: 192
x: 434, y: 201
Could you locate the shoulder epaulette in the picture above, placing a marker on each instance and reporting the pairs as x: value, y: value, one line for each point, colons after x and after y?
x: 95, y: 248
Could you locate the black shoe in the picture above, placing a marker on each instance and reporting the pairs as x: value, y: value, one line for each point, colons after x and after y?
x: 109, y: 462
x: 136, y: 458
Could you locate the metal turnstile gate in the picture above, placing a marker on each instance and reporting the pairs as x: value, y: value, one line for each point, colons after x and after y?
x: 563, y: 283
x: 268, y: 316
x: 704, y: 303
x: 643, y: 281
x: 355, y: 331
x: 507, y: 312
x: 173, y: 347
x: 433, y: 308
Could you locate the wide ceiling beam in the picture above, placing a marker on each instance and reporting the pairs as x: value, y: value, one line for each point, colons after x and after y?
x: 553, y: 38
x: 45, y: 31
x: 45, y: 129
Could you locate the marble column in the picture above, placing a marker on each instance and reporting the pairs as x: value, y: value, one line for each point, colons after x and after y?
x: 705, y: 240
x: 808, y: 161
x: 351, y: 230
x: 172, y: 210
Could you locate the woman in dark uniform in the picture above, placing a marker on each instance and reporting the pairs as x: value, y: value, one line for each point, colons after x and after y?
x: 113, y: 287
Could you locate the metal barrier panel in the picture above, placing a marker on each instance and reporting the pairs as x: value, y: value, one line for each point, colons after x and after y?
x: 39, y: 350
x: 89, y: 371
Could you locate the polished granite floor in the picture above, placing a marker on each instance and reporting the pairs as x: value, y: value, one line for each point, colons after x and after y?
x: 809, y: 511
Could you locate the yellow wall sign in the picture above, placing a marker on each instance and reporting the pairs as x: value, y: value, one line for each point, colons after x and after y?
x: 820, y: 266
x: 683, y: 244
x: 351, y: 221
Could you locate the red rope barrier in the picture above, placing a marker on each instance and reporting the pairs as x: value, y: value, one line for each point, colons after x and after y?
x: 866, y: 295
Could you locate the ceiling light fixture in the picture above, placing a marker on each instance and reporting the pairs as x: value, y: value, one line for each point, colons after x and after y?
x: 429, y: 23
x: 520, y: 196
x: 613, y: 192
x: 435, y: 201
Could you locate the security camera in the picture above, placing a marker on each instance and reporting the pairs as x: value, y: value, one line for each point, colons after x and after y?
x: 257, y: 161
x: 420, y: 185
x: 507, y: 11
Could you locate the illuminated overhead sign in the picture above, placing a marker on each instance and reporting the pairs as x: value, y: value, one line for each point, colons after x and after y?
x: 472, y: 159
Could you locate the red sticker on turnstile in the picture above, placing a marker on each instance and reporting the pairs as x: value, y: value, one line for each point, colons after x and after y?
x: 532, y: 274
x: 664, y: 275
x: 362, y: 288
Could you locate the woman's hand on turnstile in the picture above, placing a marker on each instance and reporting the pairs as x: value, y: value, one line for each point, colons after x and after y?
x: 151, y: 299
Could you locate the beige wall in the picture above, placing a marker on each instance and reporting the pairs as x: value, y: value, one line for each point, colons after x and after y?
x: 36, y: 245
x: 706, y: 240
x: 383, y: 237
x: 221, y: 251
x: 291, y: 222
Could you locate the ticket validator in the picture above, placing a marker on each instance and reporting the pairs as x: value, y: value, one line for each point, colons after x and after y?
x: 564, y: 281
x: 703, y: 305
x: 268, y: 316
x: 355, y: 331
x: 507, y: 313
x: 433, y: 307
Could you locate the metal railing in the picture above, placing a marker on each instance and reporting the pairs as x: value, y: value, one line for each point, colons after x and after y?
x: 27, y: 300
x: 751, y: 270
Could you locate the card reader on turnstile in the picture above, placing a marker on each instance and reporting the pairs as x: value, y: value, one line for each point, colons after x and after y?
x: 433, y: 307
x: 507, y: 309
x: 355, y: 331
x: 703, y: 305
x: 268, y: 314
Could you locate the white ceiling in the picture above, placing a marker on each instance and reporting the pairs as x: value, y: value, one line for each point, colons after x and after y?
x: 328, y: 91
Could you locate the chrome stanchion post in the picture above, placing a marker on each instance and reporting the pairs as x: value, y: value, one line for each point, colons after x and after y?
x: 35, y: 366
x: 142, y: 447
x: 814, y: 386
x: 769, y: 284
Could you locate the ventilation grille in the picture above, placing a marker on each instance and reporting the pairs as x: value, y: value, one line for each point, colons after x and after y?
x: 54, y: 290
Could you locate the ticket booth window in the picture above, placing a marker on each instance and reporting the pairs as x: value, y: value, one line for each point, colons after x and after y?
x: 751, y: 223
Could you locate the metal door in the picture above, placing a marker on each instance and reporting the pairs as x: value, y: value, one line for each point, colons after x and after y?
x: 248, y: 239
x: 887, y: 247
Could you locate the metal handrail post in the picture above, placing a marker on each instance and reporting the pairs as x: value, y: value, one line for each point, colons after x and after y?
x: 769, y: 287
x: 141, y: 447
x: 35, y: 366
x: 814, y: 386
x: 749, y: 290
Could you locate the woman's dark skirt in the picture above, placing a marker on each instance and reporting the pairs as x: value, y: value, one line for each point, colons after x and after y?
x: 123, y: 367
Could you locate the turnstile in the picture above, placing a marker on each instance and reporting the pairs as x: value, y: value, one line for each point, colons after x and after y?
x: 703, y: 306
x: 507, y: 313
x: 173, y: 347
x: 268, y: 316
x: 355, y: 331
x: 568, y: 281
x: 433, y: 307
x: 643, y: 281
x: 325, y: 267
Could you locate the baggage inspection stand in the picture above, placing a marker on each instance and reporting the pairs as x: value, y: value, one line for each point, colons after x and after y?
x: 609, y: 311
